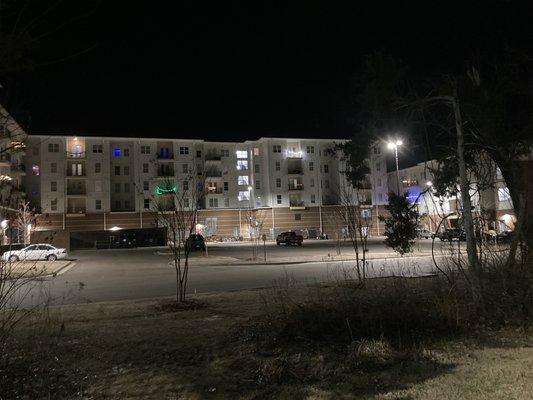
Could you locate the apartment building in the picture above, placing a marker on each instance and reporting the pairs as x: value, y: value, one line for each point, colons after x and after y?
x: 94, y: 184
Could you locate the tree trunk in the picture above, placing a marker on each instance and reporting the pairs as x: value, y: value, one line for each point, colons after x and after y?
x: 471, y: 249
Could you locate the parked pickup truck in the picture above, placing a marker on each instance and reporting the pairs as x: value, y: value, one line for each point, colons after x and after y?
x: 289, y: 238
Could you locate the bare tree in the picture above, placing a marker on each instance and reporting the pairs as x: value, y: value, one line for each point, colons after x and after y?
x: 255, y: 220
x: 176, y: 209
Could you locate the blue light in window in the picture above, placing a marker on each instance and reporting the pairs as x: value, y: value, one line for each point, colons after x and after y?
x: 117, y: 152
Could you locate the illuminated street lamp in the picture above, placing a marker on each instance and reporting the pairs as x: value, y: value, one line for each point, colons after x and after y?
x: 393, y: 145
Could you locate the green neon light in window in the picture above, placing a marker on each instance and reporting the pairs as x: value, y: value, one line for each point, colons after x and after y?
x: 165, y: 190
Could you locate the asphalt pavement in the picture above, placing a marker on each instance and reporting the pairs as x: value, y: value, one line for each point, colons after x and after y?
x: 108, y: 275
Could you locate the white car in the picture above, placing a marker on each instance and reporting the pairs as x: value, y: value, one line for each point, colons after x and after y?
x: 35, y: 252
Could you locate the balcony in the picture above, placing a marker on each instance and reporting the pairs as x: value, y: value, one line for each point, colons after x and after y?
x: 211, y: 172
x: 294, y: 167
x: 165, y: 171
x: 164, y: 153
x: 296, y: 186
x: 76, y: 188
x: 76, y: 154
x: 212, y: 156
x: 19, y: 169
x: 298, y: 154
x: 297, y: 205
x: 76, y: 206
x: 214, y: 190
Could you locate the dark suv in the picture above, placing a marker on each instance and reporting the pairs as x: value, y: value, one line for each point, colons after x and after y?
x: 452, y: 233
x: 289, y: 238
x: 195, y: 242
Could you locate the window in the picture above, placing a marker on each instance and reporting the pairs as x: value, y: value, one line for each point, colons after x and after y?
x: 117, y: 204
x: 146, y: 203
x: 224, y: 153
x: 126, y: 188
x: 244, y: 195
x: 378, y: 166
x: 53, y: 205
x: 186, y: 203
x: 310, y: 149
x: 503, y: 194
x: 276, y: 148
x: 278, y: 182
x: 256, y: 168
x: 313, y: 199
x: 242, y: 154
x: 311, y: 166
x: 256, y: 151
x: 226, y: 202
x: 297, y: 217
x: 126, y: 152
x: 377, y: 150
x: 243, y: 180
x: 312, y: 183
x: 278, y: 199
x: 146, y: 186
x: 185, y: 185
x: 198, y: 153
x: 127, y: 204
x: 53, y: 168
x: 226, y: 186
x: 145, y: 168
x: 117, y: 187
x: 258, y: 185
x: 53, y: 186
x: 184, y: 150
x: 117, y: 170
x: 278, y: 166
x: 185, y: 168
x: 126, y: 170
x: 53, y: 147
x: 98, y: 204
x: 117, y: 152
x: 326, y: 168
x: 97, y: 168
x: 97, y: 148
x: 97, y: 186
x: 145, y: 149
x: 242, y: 165
x: 213, y: 202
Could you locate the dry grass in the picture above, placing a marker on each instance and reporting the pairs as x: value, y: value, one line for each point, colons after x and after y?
x: 144, y: 350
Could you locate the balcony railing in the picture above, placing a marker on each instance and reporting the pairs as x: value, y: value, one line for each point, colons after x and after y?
x: 297, y: 203
x: 75, y: 154
x: 214, y: 190
x: 297, y: 186
x: 213, y: 173
x: 76, y: 191
x: 164, y: 154
x: 295, y: 171
x: 164, y: 172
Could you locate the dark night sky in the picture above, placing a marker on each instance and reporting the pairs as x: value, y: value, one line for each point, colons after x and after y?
x: 236, y: 70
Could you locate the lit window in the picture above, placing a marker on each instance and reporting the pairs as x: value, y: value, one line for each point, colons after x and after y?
x: 242, y: 165
x: 256, y: 151
x: 243, y: 180
x: 244, y: 195
x: 242, y: 154
x: 276, y: 148
x: 117, y: 152
x: 503, y: 194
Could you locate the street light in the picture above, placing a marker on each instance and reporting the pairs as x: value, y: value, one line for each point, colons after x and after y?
x: 393, y: 145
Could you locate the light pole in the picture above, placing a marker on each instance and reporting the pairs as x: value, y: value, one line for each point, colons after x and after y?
x: 394, y: 145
